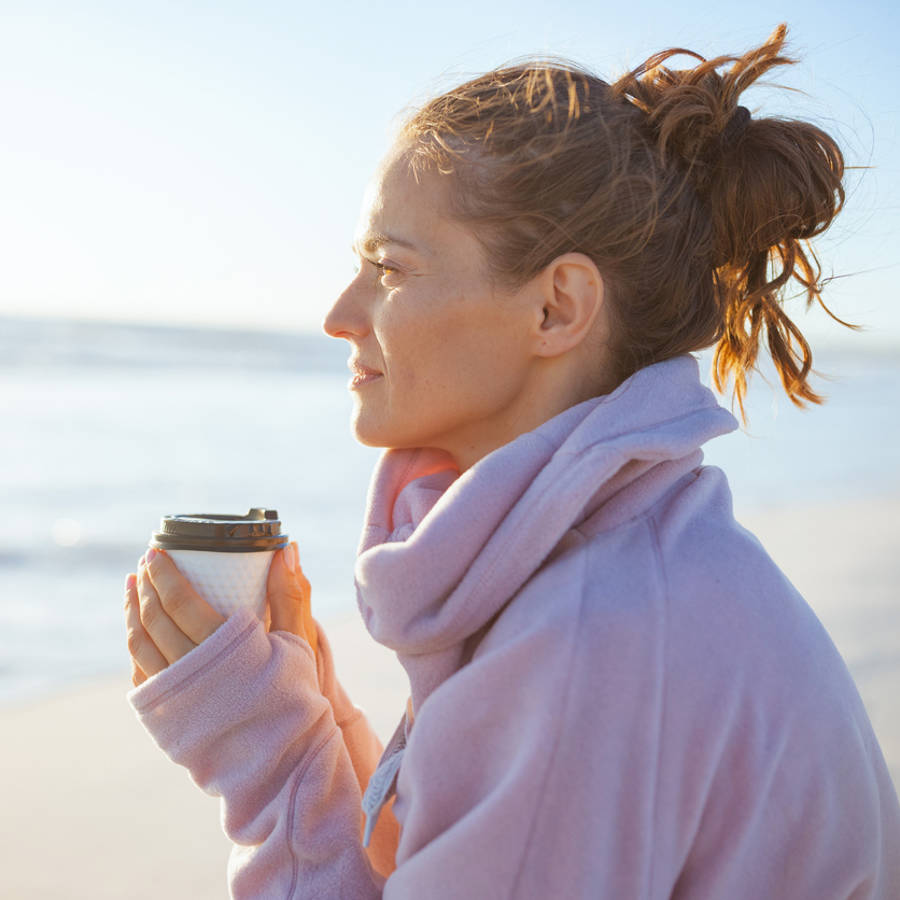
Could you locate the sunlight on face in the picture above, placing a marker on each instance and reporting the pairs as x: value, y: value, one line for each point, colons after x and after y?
x: 441, y: 355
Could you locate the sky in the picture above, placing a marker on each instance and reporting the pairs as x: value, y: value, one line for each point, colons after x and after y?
x: 190, y: 162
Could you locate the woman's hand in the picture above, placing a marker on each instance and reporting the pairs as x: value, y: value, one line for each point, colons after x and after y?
x: 166, y: 618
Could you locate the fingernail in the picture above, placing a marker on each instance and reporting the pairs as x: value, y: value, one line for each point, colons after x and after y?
x: 150, y: 554
x: 130, y: 581
x: 290, y: 557
x: 142, y: 561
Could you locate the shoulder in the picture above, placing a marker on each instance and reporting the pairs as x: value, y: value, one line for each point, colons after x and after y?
x: 686, y: 597
x: 731, y: 611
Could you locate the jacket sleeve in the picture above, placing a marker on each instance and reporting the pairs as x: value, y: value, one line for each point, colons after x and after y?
x: 244, y: 713
x: 365, y: 749
x: 363, y: 744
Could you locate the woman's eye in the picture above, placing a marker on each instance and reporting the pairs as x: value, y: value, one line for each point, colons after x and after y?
x: 384, y: 267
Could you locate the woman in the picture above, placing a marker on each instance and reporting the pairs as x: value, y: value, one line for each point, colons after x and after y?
x: 614, y: 690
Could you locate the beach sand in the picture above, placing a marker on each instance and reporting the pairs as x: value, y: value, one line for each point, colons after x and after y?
x: 92, y: 809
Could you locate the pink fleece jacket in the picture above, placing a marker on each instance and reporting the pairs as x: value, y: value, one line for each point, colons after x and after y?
x: 617, y: 693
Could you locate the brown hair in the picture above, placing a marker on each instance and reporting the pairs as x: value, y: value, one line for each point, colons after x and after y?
x: 697, y: 214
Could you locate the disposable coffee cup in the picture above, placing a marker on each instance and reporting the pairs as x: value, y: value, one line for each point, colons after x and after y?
x: 225, y: 557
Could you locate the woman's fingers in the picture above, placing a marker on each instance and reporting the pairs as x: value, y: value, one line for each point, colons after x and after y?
x: 146, y: 660
x: 137, y: 674
x: 179, y: 602
x: 165, y: 617
x: 172, y: 642
x: 284, y: 594
x: 289, y: 594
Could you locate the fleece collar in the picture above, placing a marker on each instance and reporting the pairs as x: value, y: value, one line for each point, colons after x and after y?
x: 441, y: 553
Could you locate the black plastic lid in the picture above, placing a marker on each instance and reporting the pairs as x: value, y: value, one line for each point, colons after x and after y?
x: 260, y: 529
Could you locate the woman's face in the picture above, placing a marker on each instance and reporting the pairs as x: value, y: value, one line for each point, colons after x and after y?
x: 440, y: 358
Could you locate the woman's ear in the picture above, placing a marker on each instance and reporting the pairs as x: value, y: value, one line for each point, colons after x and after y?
x: 571, y: 294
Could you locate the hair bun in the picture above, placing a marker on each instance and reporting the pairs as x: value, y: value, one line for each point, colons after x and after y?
x: 769, y: 184
x: 735, y: 126
x: 694, y: 115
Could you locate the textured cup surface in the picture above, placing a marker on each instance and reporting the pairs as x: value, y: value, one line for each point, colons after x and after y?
x: 227, y: 581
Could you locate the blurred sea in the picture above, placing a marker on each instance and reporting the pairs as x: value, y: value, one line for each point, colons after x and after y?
x: 106, y: 427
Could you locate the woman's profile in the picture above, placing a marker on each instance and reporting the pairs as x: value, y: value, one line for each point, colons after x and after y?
x: 614, y: 691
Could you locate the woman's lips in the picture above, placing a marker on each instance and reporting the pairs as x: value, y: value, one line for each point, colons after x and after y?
x: 359, y: 380
x: 361, y: 374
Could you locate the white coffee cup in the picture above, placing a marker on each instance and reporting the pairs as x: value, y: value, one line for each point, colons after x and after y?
x: 225, y: 557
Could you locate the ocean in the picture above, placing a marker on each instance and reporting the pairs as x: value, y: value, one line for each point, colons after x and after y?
x: 107, y: 427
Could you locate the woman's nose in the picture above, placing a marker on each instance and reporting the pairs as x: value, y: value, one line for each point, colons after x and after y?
x: 348, y: 317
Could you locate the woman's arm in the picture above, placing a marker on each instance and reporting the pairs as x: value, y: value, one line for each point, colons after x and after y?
x: 290, y: 609
x: 364, y: 748
x: 246, y: 713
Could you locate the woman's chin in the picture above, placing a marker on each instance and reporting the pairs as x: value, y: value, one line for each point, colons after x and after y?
x: 368, y: 441
x: 370, y: 433
x: 380, y: 434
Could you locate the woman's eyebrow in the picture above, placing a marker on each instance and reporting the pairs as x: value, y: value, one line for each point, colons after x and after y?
x: 374, y: 240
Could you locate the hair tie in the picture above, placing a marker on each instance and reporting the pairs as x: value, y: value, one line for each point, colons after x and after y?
x: 735, y: 126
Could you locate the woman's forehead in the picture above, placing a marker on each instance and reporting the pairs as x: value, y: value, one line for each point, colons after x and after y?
x: 401, y: 210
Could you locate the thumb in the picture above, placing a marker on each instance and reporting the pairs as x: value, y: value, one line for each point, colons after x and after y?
x: 289, y: 593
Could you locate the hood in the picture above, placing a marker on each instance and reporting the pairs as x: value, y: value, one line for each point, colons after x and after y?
x: 441, y: 553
